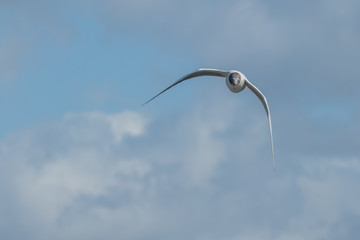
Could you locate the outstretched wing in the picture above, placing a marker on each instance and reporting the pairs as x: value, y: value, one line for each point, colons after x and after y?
x: 198, y: 73
x: 262, y: 98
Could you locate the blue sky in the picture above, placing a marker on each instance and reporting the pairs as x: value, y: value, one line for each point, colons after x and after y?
x: 81, y: 159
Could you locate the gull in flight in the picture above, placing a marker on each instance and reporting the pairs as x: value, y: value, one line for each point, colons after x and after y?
x: 236, y: 82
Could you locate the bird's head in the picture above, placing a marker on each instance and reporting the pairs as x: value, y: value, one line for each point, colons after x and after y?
x: 235, y: 81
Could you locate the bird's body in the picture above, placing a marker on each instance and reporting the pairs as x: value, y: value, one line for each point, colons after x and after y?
x: 236, y: 82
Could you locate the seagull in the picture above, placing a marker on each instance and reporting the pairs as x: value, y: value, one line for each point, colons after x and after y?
x: 236, y: 82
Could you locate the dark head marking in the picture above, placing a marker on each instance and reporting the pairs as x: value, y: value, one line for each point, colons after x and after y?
x: 234, y: 78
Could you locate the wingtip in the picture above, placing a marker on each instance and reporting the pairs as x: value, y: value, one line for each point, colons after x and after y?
x: 150, y: 100
x: 145, y: 103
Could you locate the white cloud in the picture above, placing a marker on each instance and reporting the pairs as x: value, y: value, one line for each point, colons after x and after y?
x: 211, y: 30
x: 95, y: 169
x: 117, y: 125
x: 328, y: 195
x: 49, y: 179
x: 199, y: 177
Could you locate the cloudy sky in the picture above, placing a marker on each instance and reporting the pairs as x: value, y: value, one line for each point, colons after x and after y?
x: 81, y: 159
